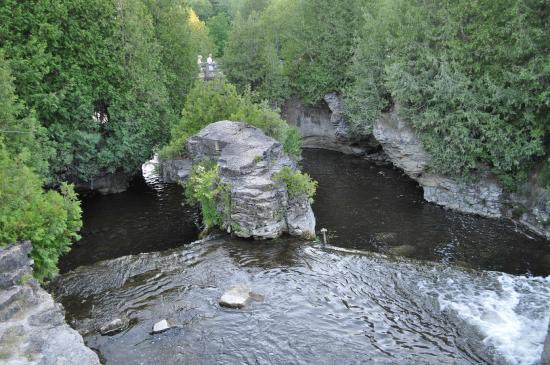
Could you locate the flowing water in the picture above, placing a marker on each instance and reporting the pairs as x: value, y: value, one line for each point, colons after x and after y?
x: 400, y: 281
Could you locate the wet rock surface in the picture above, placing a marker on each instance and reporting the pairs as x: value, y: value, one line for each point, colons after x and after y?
x: 32, y: 325
x: 236, y: 297
x: 115, y: 326
x: 248, y: 159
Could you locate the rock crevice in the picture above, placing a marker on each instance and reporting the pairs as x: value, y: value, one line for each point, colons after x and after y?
x: 325, y: 126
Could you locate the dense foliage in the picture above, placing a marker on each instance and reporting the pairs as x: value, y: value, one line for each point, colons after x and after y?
x: 472, y: 78
x: 218, y: 100
x: 107, y: 78
x: 205, y: 188
x: 294, y: 48
x: 96, y: 87
x: 50, y: 220
x: 298, y: 184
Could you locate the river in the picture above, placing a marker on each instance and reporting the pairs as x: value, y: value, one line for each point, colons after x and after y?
x: 400, y: 281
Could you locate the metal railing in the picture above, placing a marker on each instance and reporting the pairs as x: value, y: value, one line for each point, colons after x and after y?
x: 208, y: 71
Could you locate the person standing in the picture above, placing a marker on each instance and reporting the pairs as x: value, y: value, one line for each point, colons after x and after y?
x: 210, y: 63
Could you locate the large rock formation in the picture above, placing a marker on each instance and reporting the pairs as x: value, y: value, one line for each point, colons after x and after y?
x: 174, y: 171
x: 484, y: 196
x: 32, y: 325
x: 404, y: 149
x: 325, y: 126
x: 248, y: 159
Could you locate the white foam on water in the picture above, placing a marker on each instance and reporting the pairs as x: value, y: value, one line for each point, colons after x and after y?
x: 510, y: 312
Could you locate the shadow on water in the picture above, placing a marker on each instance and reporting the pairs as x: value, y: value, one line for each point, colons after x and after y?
x: 379, y: 209
x: 149, y: 216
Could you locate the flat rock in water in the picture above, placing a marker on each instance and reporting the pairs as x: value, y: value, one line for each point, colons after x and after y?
x: 115, y: 326
x: 161, y: 326
x: 236, y: 297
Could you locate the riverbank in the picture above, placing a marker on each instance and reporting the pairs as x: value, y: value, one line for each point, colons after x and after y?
x: 393, y: 139
x: 32, y: 325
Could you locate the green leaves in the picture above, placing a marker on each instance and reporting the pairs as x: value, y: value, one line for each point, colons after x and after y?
x: 205, y: 188
x: 131, y: 62
x: 298, y: 184
x: 294, y: 48
x: 470, y: 78
x: 210, y: 102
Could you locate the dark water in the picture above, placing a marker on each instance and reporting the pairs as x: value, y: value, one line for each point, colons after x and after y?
x: 359, y: 299
x: 148, y: 217
x: 379, y: 209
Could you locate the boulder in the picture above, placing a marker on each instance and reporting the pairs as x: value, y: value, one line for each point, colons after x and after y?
x: 117, y: 325
x: 248, y: 159
x: 32, y: 325
x: 236, y: 297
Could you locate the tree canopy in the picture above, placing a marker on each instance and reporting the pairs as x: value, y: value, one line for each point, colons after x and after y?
x: 472, y: 78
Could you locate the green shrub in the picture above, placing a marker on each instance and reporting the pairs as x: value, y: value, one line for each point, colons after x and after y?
x: 298, y: 184
x: 210, y: 102
x: 205, y: 189
x: 50, y: 220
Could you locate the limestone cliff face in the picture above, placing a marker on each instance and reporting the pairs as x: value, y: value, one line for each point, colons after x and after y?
x: 486, y: 197
x: 248, y: 159
x: 325, y: 126
x: 107, y: 183
x: 404, y: 149
x: 32, y: 325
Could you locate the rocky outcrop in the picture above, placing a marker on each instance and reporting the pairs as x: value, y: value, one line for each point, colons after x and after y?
x: 325, y: 126
x: 484, y: 196
x: 107, y: 183
x: 32, y: 325
x: 174, y: 171
x: 248, y: 159
x: 404, y: 149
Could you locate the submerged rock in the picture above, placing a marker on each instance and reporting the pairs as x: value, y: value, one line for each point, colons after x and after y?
x: 117, y: 325
x: 236, y: 297
x: 32, y: 325
x: 161, y: 326
x: 248, y: 159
